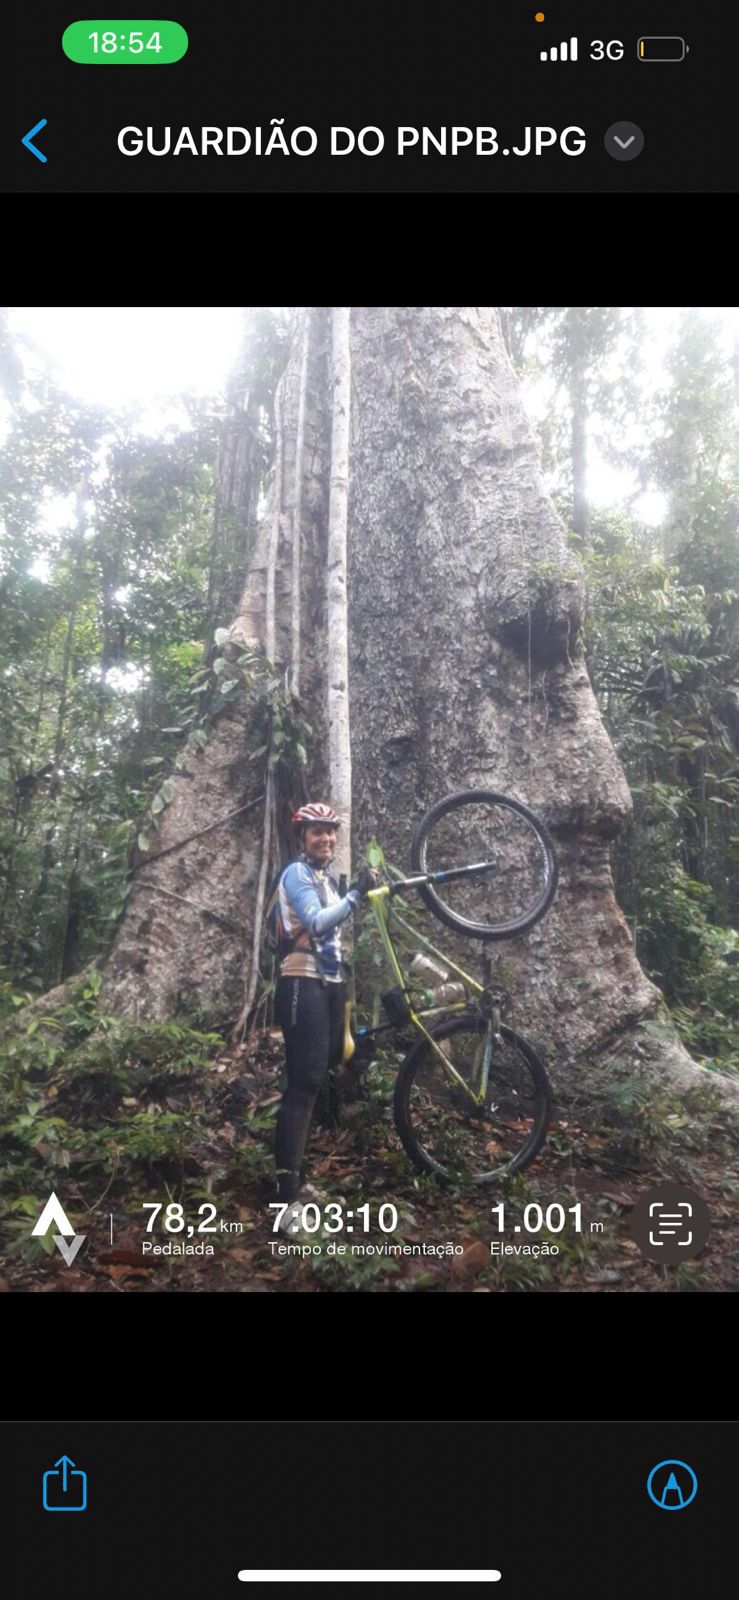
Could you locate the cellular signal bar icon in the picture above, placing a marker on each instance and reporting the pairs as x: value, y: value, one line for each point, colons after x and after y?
x: 561, y: 52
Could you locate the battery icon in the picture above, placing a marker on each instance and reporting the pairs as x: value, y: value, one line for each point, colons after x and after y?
x: 668, y: 48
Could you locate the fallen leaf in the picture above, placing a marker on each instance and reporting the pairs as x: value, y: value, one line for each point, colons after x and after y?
x: 131, y: 1258
x: 474, y: 1259
x: 127, y: 1272
x: 618, y: 1199
x: 4, y: 1286
x: 413, y: 1267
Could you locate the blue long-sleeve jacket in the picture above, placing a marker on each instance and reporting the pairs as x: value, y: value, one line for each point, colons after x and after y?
x: 311, y: 904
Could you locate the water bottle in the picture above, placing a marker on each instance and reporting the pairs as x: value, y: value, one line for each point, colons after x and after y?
x: 425, y: 971
x: 447, y: 994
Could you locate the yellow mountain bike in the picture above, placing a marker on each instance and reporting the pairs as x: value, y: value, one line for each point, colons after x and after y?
x: 472, y: 1099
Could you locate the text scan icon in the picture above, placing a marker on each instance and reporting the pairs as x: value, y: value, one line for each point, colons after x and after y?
x: 666, y: 1226
x: 670, y: 1223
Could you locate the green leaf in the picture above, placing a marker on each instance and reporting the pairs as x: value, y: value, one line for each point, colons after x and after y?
x: 157, y: 805
x: 167, y: 791
x: 143, y: 842
x: 221, y: 635
x: 219, y: 665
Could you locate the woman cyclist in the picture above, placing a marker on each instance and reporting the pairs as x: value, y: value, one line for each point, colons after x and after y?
x: 311, y: 991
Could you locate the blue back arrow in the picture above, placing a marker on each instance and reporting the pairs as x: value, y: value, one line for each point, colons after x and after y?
x: 26, y: 140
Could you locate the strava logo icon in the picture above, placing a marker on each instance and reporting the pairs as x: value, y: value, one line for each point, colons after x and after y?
x: 54, y: 1216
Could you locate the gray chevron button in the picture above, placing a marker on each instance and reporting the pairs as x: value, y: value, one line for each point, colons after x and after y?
x: 624, y: 141
x: 69, y: 1251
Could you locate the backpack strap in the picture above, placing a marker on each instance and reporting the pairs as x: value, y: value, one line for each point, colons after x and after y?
x: 321, y: 892
x: 296, y: 941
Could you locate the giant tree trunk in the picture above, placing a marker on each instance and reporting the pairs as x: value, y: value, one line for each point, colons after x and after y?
x: 465, y: 667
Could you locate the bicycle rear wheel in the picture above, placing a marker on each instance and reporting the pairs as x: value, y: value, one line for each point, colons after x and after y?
x: 440, y: 1128
x: 518, y: 865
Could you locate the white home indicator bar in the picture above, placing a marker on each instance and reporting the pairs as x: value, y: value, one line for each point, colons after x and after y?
x: 372, y: 1575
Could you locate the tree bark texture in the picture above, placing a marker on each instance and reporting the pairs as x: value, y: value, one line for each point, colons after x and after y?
x: 466, y: 668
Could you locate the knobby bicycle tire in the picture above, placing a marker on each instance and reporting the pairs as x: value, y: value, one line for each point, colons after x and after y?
x: 485, y: 930
x: 418, y: 1054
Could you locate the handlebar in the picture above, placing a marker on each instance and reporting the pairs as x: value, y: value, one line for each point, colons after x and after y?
x: 440, y: 877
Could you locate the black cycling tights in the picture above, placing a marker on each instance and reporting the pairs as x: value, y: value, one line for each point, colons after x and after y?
x: 311, y: 1016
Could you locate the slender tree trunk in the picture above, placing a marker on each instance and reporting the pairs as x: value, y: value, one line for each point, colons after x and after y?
x: 466, y: 668
x: 236, y: 492
x: 340, y: 765
x: 580, y: 503
x: 268, y: 831
x: 577, y: 343
x: 297, y: 508
x: 47, y: 853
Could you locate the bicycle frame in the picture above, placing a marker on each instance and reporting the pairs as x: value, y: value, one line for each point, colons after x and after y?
x: 379, y: 901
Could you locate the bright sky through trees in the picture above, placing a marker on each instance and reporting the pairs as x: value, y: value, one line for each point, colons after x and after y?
x: 118, y: 356
x: 144, y: 356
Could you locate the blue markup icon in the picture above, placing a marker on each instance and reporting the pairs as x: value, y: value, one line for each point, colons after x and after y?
x: 672, y: 1491
x: 65, y: 1490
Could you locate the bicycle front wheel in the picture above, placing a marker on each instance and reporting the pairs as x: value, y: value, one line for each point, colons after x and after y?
x: 440, y: 1127
x: 516, y: 878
